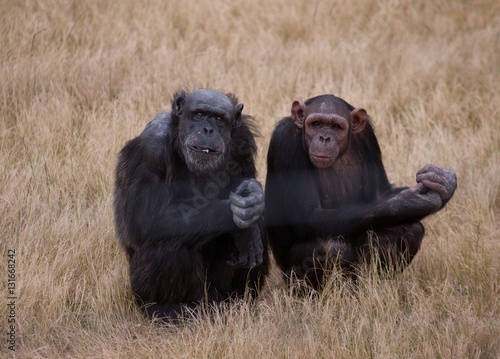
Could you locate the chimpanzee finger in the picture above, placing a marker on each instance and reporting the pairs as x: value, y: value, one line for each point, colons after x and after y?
x: 445, y: 177
x: 258, y: 259
x: 259, y: 252
x: 245, y: 223
x: 246, y: 213
x: 416, y: 188
x: 429, y: 195
x: 241, y: 187
x: 237, y: 261
x: 249, y: 185
x: 431, y: 176
x: 451, y: 180
x: 439, y: 188
x: 254, y: 220
x: 240, y: 264
x: 254, y: 186
x: 431, y: 168
x: 423, y: 170
x: 251, y: 200
x: 241, y: 223
x: 251, y: 260
x: 258, y: 240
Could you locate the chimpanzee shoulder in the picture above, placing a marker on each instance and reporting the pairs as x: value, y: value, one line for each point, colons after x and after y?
x: 286, y: 151
x: 153, y: 140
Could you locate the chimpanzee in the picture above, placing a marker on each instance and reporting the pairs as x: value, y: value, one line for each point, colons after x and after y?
x: 188, y: 209
x: 328, y: 199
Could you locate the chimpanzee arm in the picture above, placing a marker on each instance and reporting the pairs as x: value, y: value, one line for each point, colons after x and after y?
x: 406, y: 205
x: 153, y: 216
x: 291, y: 201
x: 188, y: 222
x: 250, y: 248
x: 248, y: 240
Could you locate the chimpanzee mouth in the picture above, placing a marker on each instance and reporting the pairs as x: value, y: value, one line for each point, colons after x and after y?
x: 321, y: 161
x: 321, y: 158
x: 206, y: 150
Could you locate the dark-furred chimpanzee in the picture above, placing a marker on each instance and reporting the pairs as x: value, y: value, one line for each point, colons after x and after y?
x: 328, y: 199
x: 188, y: 209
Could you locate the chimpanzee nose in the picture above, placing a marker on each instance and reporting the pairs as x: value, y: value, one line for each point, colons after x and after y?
x: 208, y: 130
x: 324, y: 139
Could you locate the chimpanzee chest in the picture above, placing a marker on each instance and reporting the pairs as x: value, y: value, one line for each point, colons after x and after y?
x: 342, y: 187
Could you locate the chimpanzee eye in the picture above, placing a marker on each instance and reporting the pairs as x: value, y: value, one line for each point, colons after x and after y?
x: 337, y: 126
x: 219, y: 118
x: 199, y: 114
x: 316, y: 124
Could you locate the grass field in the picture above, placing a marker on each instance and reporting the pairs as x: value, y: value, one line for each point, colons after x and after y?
x: 80, y: 78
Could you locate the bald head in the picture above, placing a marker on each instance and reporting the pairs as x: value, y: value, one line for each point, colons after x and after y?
x: 328, y: 104
x: 209, y: 96
x: 210, y: 100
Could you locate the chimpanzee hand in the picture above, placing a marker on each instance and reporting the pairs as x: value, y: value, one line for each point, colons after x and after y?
x: 441, y: 180
x: 247, y: 203
x: 250, y: 248
x: 417, y: 200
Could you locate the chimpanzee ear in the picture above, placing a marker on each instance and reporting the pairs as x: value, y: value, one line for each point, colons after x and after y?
x: 359, y: 118
x: 237, y: 115
x: 298, y: 111
x: 178, y: 103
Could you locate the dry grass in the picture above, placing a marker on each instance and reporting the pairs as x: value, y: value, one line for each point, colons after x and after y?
x: 78, y: 79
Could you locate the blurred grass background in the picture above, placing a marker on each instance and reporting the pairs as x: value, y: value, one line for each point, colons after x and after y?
x: 79, y: 79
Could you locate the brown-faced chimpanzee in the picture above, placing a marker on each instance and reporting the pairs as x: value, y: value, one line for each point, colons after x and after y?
x: 188, y: 209
x: 328, y: 199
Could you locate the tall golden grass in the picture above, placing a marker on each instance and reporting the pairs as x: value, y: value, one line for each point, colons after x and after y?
x: 80, y: 78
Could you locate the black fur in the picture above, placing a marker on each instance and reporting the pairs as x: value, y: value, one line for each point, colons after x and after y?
x: 176, y: 225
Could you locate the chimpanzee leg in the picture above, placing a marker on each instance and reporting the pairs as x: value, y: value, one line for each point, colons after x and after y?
x: 316, y: 257
x: 250, y: 279
x: 224, y: 280
x: 167, y: 280
x: 393, y: 247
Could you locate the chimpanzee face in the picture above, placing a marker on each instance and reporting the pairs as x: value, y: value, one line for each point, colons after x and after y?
x: 206, y: 120
x: 326, y: 136
x: 327, y: 127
